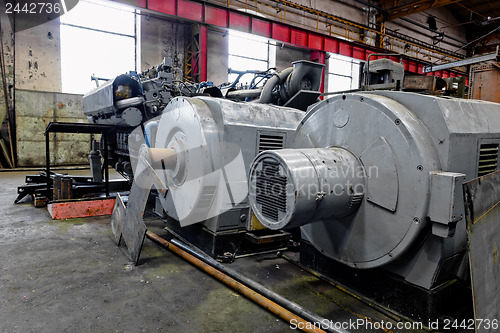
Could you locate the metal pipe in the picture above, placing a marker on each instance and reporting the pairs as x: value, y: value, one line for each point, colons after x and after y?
x: 287, y: 304
x: 266, y: 95
x: 47, y: 164
x: 106, y: 162
x: 244, y: 93
x: 465, y: 62
x: 237, y: 286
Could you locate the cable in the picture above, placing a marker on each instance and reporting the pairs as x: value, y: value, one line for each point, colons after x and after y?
x: 469, y: 43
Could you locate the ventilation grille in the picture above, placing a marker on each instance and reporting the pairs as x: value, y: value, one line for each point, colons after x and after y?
x: 270, y: 142
x: 271, y: 190
x: 488, y: 159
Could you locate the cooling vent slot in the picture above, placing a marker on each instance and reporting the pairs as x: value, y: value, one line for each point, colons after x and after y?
x: 271, y: 142
x: 488, y: 159
x: 271, y: 190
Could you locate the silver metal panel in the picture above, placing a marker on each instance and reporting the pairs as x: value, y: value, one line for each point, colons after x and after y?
x: 459, y: 63
x: 99, y: 99
x: 118, y: 219
x: 374, y: 235
x: 210, y: 131
x: 446, y: 204
x: 482, y: 199
x: 382, y: 186
x: 133, y: 229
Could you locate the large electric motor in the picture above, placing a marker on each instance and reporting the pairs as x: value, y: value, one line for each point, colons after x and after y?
x: 215, y: 141
x: 375, y: 180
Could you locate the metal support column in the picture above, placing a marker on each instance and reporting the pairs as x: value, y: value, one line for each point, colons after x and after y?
x: 203, y: 53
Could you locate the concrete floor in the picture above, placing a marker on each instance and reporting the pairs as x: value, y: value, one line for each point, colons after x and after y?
x: 69, y: 276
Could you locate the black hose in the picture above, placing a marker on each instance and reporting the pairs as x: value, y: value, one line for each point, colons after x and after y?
x: 266, y: 94
x: 287, y: 304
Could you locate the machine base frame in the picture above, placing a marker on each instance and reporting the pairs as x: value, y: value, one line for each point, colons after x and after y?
x: 450, y: 299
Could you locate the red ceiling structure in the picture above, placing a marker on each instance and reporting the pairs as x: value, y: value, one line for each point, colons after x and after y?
x: 223, y: 17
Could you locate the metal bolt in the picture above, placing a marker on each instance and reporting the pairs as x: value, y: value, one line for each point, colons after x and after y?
x: 397, y: 121
x: 416, y: 220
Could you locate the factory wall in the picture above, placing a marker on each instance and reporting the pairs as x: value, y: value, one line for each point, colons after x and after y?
x: 162, y: 38
x: 33, y: 66
x: 285, y: 55
x: 32, y: 57
x: 217, y: 50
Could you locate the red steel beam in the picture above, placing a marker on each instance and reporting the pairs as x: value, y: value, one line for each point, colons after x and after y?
x: 203, y: 52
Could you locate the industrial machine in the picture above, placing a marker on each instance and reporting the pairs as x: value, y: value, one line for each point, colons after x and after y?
x: 213, y: 141
x: 382, y: 74
x: 132, y: 99
x: 374, y: 180
x: 297, y: 86
x: 127, y: 101
x: 386, y: 74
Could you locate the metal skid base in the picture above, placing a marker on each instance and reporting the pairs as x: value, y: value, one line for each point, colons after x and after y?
x: 228, y: 245
x: 451, y: 299
x: 80, y: 187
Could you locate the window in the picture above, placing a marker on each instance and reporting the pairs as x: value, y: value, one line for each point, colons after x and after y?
x: 343, y: 73
x: 96, y: 38
x: 249, y: 52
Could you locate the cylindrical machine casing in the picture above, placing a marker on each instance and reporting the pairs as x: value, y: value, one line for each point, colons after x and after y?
x: 416, y: 151
x: 215, y: 141
x: 291, y: 187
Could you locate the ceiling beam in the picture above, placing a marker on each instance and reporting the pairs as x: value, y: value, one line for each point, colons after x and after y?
x: 414, y: 7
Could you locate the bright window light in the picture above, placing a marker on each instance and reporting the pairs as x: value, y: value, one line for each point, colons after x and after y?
x: 96, y: 38
x: 248, y: 52
x: 343, y: 73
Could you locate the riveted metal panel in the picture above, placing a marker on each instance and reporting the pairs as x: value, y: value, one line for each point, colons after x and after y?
x: 261, y: 27
x: 299, y: 37
x: 485, y: 83
x: 190, y: 10
x: 216, y: 16
x: 315, y: 41
x: 136, y: 3
x: 482, y: 202
x: 345, y: 49
x: 239, y: 22
x: 358, y: 53
x: 331, y: 45
x: 163, y: 6
x: 281, y: 32
x: 412, y: 67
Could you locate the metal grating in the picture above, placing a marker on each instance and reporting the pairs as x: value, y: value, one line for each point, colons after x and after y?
x: 271, y: 190
x: 488, y: 159
x: 270, y: 142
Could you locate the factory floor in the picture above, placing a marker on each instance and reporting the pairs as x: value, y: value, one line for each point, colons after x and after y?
x: 68, y: 275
